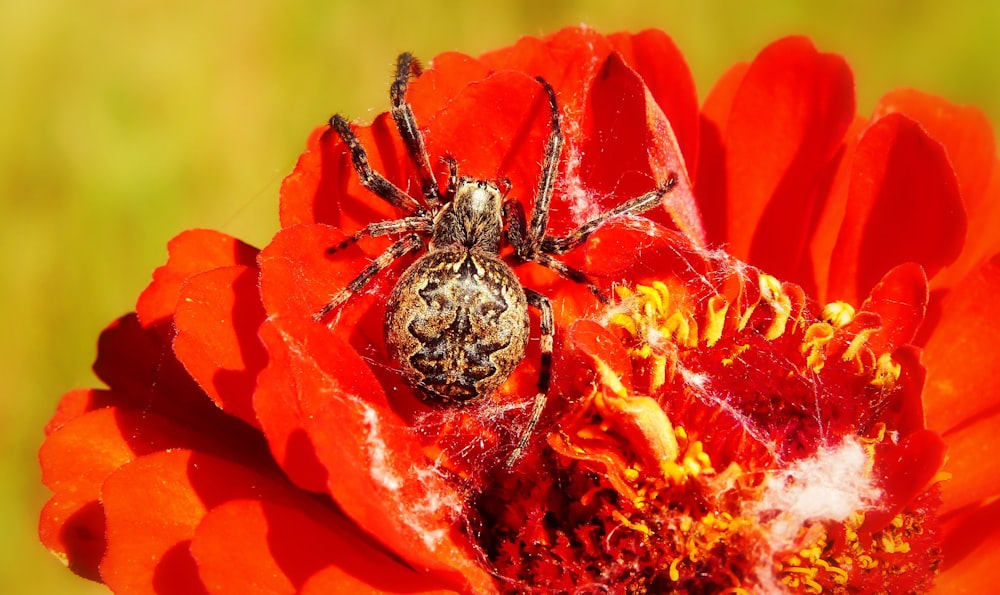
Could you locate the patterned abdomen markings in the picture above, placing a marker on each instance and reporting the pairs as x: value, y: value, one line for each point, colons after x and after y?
x: 457, y: 323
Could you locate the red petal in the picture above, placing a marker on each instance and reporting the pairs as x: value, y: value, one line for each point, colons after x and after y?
x: 298, y: 277
x: 961, y: 398
x: 217, y: 318
x: 971, y: 549
x: 781, y: 139
x: 153, y: 506
x: 284, y: 546
x: 964, y: 131
x: 655, y: 57
x: 904, y: 413
x: 253, y: 566
x: 619, y: 254
x: 900, y: 300
x: 982, y: 241
x: 710, y: 185
x: 968, y: 139
x: 630, y: 149
x: 75, y: 461
x: 323, y: 158
x: 905, y: 470
x: 152, y: 512
x: 144, y: 375
x: 496, y: 128
x: 893, y: 214
x: 334, y: 424
x: 567, y: 59
x: 77, y: 402
x: 597, y: 342
x: 831, y: 219
x: 191, y: 252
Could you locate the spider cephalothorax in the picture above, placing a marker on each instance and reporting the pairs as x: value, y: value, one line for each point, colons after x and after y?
x: 457, y: 320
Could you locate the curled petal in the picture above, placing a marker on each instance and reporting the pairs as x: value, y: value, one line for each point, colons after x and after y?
x: 900, y: 300
x: 656, y: 58
x: 631, y: 149
x: 894, y: 215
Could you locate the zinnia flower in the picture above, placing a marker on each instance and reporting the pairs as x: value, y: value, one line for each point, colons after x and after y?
x: 794, y: 342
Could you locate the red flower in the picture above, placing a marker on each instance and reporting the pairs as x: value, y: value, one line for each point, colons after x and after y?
x: 714, y: 427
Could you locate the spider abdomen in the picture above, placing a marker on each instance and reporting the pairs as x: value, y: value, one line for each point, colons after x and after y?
x: 457, y: 324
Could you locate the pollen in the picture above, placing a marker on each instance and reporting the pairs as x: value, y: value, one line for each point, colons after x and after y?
x: 726, y: 442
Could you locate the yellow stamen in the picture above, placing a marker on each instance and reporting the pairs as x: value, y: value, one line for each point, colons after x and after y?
x: 781, y: 305
x: 838, y: 314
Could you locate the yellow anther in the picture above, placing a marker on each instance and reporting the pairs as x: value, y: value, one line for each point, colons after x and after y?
x: 718, y: 305
x: 674, y: 573
x: 856, y: 344
x: 626, y: 322
x: 639, y: 527
x: 676, y: 326
x: 652, y: 297
x: 657, y: 373
x: 623, y: 292
x: 736, y: 353
x: 781, y: 305
x: 839, y: 314
x: 886, y: 371
x: 817, y: 336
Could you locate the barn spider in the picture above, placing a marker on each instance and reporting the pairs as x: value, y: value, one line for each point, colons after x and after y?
x: 457, y: 319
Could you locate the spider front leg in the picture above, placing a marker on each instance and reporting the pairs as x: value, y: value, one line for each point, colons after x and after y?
x: 528, y: 248
x: 546, y: 332
x: 399, y: 248
x: 639, y: 204
x: 369, y: 178
x: 406, y: 123
x: 420, y: 223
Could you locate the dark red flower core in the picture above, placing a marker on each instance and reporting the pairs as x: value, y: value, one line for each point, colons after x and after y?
x: 726, y: 442
x: 728, y: 421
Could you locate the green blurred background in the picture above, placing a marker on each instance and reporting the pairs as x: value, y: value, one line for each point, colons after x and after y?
x: 123, y: 123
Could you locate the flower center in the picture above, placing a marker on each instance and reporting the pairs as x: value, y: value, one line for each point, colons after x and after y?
x: 723, y: 443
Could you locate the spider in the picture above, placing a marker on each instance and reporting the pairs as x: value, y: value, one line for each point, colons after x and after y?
x: 457, y: 319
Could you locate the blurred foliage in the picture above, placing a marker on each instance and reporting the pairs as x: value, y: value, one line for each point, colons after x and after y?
x: 124, y: 123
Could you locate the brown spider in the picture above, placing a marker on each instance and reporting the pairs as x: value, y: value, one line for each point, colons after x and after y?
x: 457, y: 319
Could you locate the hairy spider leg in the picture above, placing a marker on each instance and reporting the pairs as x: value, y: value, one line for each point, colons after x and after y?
x: 546, y: 180
x: 386, y: 228
x: 369, y: 178
x: 406, y: 123
x: 546, y: 332
x: 402, y: 246
x: 639, y: 204
x: 513, y: 214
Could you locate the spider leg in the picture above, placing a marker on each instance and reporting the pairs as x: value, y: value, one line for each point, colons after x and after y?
x: 546, y: 180
x: 553, y: 245
x: 513, y: 214
x: 452, y: 165
x: 547, y: 331
x: 385, y: 228
x: 406, y: 244
x: 371, y: 179
x: 406, y: 123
